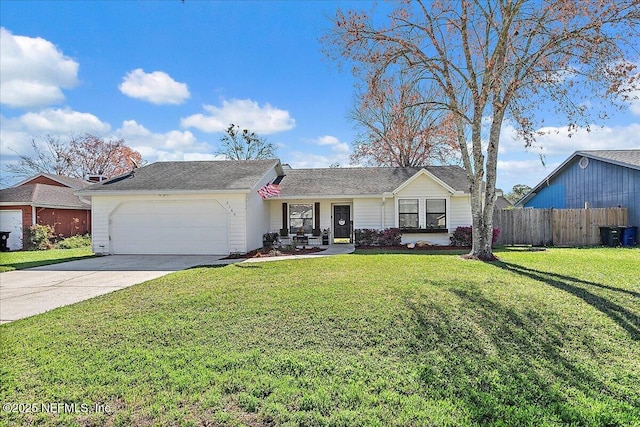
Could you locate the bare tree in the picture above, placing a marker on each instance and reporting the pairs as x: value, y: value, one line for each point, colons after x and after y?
x: 77, y: 158
x: 398, y: 127
x: 242, y: 144
x: 484, y: 61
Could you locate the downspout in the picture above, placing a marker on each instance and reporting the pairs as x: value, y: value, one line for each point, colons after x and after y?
x: 383, y: 202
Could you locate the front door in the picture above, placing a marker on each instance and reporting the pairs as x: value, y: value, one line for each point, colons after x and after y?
x: 342, y: 224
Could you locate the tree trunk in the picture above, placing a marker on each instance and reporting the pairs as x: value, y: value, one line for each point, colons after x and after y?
x: 483, y: 200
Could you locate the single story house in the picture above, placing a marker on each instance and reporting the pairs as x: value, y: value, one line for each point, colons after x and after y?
x: 599, y: 178
x: 215, y: 207
x: 47, y: 200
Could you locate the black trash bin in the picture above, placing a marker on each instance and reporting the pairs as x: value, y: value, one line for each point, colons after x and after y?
x: 610, y: 236
x: 629, y: 236
x: 4, y: 236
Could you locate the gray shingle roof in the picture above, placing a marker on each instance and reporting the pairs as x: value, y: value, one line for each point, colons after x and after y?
x: 630, y: 158
x: 189, y: 176
x: 42, y: 195
x: 362, y: 181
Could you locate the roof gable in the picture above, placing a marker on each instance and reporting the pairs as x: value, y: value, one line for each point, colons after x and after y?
x: 424, y: 172
x: 54, y: 180
x: 623, y: 158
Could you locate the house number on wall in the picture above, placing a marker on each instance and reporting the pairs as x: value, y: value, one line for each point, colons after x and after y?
x: 341, y: 221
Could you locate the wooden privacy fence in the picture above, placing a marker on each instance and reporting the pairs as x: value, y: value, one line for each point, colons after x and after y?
x: 557, y: 227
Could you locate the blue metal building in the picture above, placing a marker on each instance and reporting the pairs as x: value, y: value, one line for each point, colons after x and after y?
x: 602, y: 178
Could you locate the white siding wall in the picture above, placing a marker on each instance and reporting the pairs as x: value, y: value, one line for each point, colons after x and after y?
x: 460, y: 212
x: 103, y: 206
x: 258, y: 213
x: 367, y: 213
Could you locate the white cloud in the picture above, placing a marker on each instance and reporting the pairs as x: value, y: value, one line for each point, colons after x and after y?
x: 245, y: 113
x: 63, y: 121
x: 556, y: 140
x: 339, y: 153
x: 172, y: 145
x: 337, y: 147
x: 34, y: 71
x: 156, y: 87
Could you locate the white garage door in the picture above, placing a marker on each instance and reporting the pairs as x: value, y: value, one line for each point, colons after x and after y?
x: 12, y: 221
x: 169, y: 227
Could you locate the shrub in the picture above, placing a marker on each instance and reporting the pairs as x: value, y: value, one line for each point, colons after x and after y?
x: 463, y: 236
x: 75, y: 242
x: 40, y: 237
x: 372, y: 237
x: 390, y: 237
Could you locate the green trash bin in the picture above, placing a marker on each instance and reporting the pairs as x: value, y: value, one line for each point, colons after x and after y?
x: 610, y: 236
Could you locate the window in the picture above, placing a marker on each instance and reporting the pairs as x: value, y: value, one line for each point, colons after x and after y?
x: 436, y: 213
x: 301, y: 218
x: 408, y: 213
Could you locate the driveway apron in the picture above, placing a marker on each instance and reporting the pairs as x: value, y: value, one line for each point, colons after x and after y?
x: 24, y: 293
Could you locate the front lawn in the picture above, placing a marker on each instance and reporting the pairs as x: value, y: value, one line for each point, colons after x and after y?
x: 27, y: 259
x: 540, y: 338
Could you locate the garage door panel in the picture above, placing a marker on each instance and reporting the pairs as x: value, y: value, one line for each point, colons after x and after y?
x: 172, y: 227
x: 11, y: 221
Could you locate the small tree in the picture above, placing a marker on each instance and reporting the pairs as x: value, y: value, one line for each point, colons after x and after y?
x: 242, y: 144
x: 517, y: 193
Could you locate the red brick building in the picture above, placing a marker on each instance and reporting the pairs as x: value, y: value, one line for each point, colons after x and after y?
x: 44, y: 199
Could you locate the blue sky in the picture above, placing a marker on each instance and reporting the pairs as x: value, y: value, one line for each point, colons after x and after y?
x: 168, y: 77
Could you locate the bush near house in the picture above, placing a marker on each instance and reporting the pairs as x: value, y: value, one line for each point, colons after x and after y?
x: 74, y: 242
x: 40, y: 237
x: 372, y: 237
x: 463, y: 236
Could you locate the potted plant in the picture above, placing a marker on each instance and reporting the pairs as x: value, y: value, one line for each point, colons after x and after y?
x: 268, y: 239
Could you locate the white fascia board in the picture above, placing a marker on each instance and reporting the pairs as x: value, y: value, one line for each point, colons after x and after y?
x: 81, y: 193
x: 329, y: 197
x: 40, y: 205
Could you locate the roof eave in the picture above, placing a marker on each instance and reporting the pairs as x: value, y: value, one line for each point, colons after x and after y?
x: 85, y: 193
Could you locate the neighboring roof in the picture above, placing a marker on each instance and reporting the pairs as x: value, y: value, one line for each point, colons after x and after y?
x: 221, y: 175
x: 503, y: 203
x: 627, y: 158
x: 363, y: 181
x: 74, y: 183
x: 42, y: 195
x: 624, y: 158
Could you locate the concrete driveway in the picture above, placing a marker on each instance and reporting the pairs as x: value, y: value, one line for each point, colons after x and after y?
x: 24, y: 293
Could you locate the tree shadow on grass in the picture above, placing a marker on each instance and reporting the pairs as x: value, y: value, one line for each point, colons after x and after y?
x: 507, y: 367
x: 626, y: 319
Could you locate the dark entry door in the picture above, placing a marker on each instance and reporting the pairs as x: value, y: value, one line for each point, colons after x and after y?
x: 341, y: 222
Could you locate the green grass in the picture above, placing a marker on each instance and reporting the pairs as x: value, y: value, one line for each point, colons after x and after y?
x: 539, y: 338
x: 26, y: 259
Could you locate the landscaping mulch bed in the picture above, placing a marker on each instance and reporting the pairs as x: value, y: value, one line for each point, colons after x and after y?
x: 417, y: 248
x: 270, y: 252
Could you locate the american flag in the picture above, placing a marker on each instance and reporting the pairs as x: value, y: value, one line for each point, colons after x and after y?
x: 269, y: 190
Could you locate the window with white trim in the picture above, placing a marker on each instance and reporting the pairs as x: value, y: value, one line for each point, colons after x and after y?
x: 301, y: 218
x: 436, y: 213
x: 408, y: 213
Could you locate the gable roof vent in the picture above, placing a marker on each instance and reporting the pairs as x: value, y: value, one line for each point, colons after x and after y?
x: 584, y: 162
